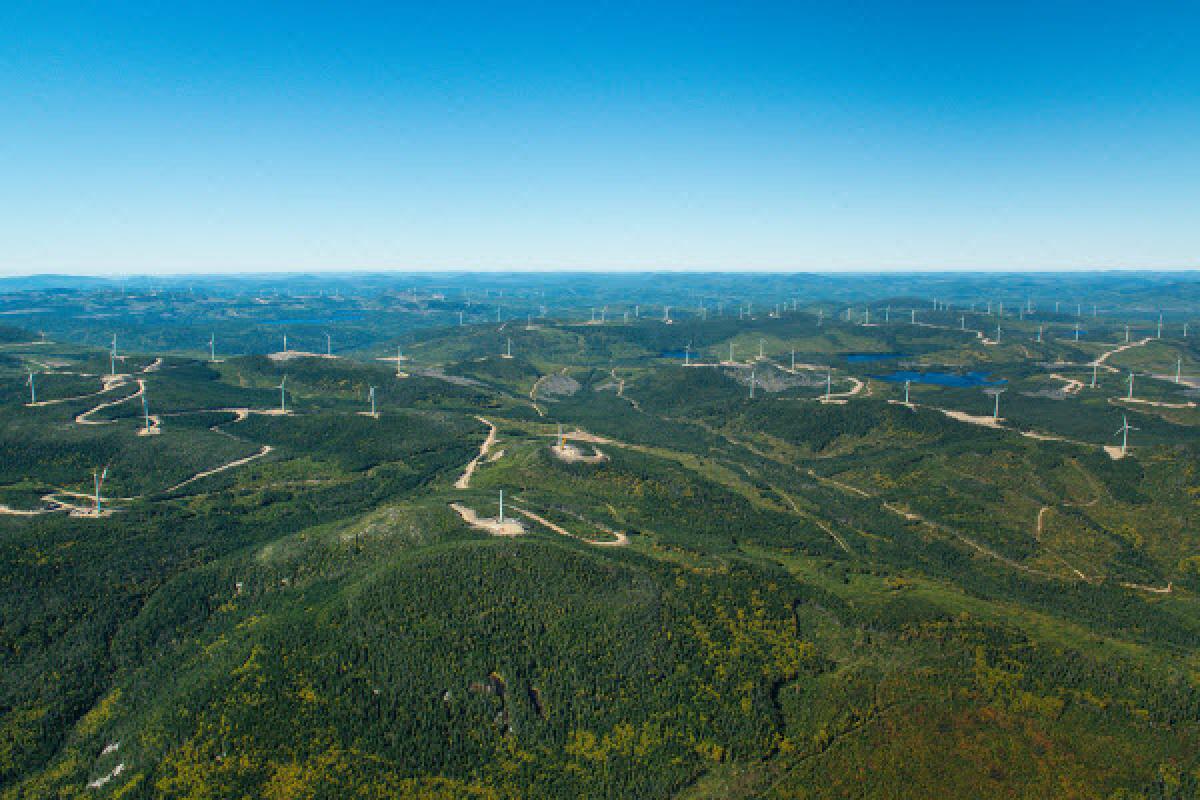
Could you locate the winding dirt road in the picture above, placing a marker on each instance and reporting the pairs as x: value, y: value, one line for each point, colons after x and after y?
x: 464, y: 482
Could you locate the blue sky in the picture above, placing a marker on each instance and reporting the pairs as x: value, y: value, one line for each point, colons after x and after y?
x: 146, y: 137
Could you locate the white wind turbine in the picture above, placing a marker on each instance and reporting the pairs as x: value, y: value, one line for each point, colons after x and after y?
x: 212, y: 347
x: 98, y: 481
x: 283, y: 395
x: 1130, y: 395
x: 371, y: 395
x: 32, y: 390
x: 996, y: 411
x: 1123, y: 432
x: 145, y: 409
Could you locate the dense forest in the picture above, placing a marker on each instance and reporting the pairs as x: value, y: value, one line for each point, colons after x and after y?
x: 222, y: 576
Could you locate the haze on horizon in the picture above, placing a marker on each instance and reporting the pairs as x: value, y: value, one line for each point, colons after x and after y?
x: 466, y: 136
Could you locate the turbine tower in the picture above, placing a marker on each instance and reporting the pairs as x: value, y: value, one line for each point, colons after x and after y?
x: 1130, y: 395
x: 1095, y: 372
x: 996, y: 410
x: 145, y: 409
x: 328, y: 345
x: 98, y: 481
x: 212, y: 347
x: 399, y: 357
x: 283, y: 395
x: 907, y: 384
x: 1178, y: 368
x: 751, y: 384
x: 32, y: 390
x: 501, y: 518
x: 112, y: 357
x: 1123, y: 432
x: 371, y: 395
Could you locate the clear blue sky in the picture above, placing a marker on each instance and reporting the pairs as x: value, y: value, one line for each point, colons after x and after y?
x: 138, y: 137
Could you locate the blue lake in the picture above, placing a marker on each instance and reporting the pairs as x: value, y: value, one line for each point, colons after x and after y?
x: 965, y: 379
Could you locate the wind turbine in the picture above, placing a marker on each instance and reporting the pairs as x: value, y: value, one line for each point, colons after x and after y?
x: 997, y: 333
x: 687, y: 354
x: 283, y: 395
x: 112, y: 357
x: 1178, y: 368
x: 371, y: 395
x: 1077, y: 331
x: 1126, y: 334
x: 793, y: 359
x: 399, y: 358
x: 145, y: 409
x: 212, y: 347
x: 752, y: 381
x: 501, y: 518
x: 32, y: 390
x: 667, y: 314
x: 285, y: 343
x: 887, y: 314
x: 1159, y: 334
x: 460, y: 318
x: 1130, y: 395
x: 1039, y: 338
x: 98, y: 481
x: 907, y: 383
x: 962, y: 322
x: 1095, y: 372
x: 996, y: 411
x: 914, y: 316
x: 1123, y: 432
x: 731, y: 352
x: 328, y: 345
x: 828, y: 383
